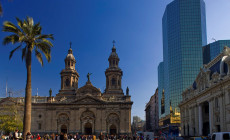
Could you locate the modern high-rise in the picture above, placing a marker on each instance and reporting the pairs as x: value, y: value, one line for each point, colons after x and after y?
x: 212, y: 50
x: 184, y: 34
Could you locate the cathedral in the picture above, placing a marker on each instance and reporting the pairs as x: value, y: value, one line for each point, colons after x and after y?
x: 86, y: 109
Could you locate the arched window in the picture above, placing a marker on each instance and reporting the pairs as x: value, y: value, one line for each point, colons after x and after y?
x: 67, y: 82
x: 113, y: 81
x: 113, y: 62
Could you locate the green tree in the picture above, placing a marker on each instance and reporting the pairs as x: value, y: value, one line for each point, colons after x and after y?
x: 11, y: 118
x: 30, y: 39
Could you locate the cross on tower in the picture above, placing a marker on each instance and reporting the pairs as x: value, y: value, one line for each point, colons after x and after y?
x: 114, y: 42
x: 70, y: 44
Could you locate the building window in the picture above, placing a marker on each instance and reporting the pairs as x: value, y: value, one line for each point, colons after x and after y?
x: 40, y: 116
x: 113, y: 81
x: 67, y: 82
x: 39, y: 126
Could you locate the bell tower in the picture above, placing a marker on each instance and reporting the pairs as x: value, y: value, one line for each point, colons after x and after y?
x: 113, y: 74
x: 69, y: 76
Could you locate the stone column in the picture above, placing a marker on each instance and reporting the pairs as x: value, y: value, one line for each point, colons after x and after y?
x: 196, y: 121
x: 190, y: 122
x: 210, y: 115
x: 185, y: 121
x: 221, y: 113
x: 200, y: 120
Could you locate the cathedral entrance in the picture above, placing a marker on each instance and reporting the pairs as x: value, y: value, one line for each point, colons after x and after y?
x: 113, y: 130
x: 88, y: 129
x: 63, y: 129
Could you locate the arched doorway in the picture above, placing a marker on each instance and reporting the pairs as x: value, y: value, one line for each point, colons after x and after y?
x: 113, y: 130
x: 88, y: 128
x: 63, y: 129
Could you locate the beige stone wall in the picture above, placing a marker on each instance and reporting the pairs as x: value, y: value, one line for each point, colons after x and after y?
x: 49, y: 115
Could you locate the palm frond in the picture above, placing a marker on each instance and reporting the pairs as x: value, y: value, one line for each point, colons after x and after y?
x: 11, y: 39
x: 10, y: 27
x: 12, y: 52
x: 45, y: 36
x: 30, y: 21
x: 37, y: 29
x: 39, y: 56
x: 45, y: 48
x: 20, y: 23
x: 47, y: 42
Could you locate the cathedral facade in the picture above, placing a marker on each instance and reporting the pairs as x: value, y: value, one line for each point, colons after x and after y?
x: 85, y: 110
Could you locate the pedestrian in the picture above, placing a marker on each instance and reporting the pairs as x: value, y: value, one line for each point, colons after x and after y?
x: 61, y: 136
x: 101, y: 136
x: 15, y: 135
x: 38, y: 137
x: 29, y: 136
x: 65, y: 137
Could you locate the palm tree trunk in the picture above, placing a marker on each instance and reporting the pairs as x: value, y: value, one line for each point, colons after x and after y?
x: 27, y: 105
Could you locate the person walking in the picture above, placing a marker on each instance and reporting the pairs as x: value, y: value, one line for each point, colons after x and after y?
x: 101, y: 136
x: 16, y: 135
x: 28, y: 136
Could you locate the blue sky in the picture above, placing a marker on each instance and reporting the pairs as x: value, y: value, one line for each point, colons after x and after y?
x: 91, y: 25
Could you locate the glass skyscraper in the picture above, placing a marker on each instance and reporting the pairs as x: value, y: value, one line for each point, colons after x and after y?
x: 184, y: 34
x: 211, y: 50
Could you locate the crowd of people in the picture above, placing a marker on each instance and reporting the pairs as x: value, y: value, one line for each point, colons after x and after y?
x: 64, y: 136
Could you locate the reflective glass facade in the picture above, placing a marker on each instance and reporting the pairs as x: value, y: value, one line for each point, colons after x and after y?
x: 211, y: 50
x: 184, y: 34
x: 160, y: 87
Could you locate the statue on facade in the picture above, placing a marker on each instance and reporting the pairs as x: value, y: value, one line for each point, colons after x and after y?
x: 226, y: 51
x: 127, y: 91
x: 50, y: 91
x: 88, y: 76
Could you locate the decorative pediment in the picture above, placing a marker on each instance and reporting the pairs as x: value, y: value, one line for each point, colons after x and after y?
x: 88, y: 100
x: 89, y: 89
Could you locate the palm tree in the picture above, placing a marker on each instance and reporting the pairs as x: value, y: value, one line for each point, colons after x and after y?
x: 29, y: 38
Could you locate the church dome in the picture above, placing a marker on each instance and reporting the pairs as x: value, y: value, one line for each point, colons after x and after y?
x: 113, y: 53
x: 70, y: 55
